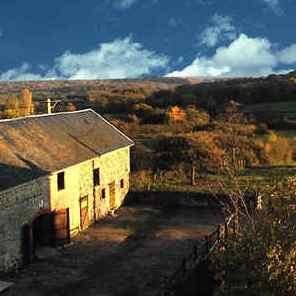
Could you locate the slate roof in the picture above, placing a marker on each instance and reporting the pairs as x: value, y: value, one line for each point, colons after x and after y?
x: 37, y: 145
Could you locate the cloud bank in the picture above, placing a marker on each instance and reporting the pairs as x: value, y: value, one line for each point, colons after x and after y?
x: 122, y: 58
x: 244, y: 56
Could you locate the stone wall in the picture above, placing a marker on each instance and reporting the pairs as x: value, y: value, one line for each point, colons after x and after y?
x: 18, y: 206
x: 114, y: 166
x: 177, y: 199
x: 21, y: 204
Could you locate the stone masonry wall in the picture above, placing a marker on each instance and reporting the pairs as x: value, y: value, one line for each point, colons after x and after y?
x: 21, y: 204
x: 113, y: 166
x: 18, y: 206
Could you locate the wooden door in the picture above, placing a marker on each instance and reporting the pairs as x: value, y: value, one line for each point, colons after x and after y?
x: 84, y: 218
x: 112, y: 195
x: 61, y: 227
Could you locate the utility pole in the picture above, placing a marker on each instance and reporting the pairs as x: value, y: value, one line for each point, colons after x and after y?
x: 48, y: 106
x: 51, y: 105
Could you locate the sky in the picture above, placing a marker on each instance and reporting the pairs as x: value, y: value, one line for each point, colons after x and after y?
x: 110, y: 39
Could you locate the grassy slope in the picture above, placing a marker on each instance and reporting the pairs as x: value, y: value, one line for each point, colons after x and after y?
x: 283, y: 108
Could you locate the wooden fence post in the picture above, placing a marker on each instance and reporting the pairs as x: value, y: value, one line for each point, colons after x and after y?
x: 226, y: 230
x: 219, y: 232
x: 195, y: 252
x: 234, y: 225
x: 184, y: 267
x: 207, y: 243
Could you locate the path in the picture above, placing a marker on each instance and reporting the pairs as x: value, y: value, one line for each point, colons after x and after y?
x: 130, y: 254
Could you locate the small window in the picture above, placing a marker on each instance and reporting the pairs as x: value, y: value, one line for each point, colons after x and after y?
x: 103, y: 193
x: 121, y: 183
x: 61, y: 181
x: 96, y: 175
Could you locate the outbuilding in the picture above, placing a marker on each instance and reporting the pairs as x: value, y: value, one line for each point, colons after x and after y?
x: 59, y: 173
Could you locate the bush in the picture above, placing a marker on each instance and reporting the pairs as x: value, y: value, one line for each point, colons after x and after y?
x: 261, y: 260
x: 274, y: 150
x: 196, y: 117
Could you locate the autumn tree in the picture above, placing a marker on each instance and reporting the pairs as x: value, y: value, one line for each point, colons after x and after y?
x: 21, y: 105
x: 70, y: 107
x: 196, y: 118
x: 12, y: 108
x: 26, y: 102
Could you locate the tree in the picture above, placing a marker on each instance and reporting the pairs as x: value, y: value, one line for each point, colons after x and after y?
x: 197, y: 118
x: 26, y: 102
x: 12, y: 108
x: 21, y: 105
x: 261, y: 258
x: 70, y: 107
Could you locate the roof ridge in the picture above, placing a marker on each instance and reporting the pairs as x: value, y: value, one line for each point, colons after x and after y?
x: 46, y: 115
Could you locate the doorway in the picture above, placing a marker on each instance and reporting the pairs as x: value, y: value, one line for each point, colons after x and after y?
x: 42, y: 231
x: 46, y: 231
x: 112, y: 194
x: 84, y: 217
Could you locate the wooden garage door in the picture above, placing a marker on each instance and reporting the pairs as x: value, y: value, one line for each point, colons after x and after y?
x: 112, y: 195
x: 61, y: 227
x: 84, y: 218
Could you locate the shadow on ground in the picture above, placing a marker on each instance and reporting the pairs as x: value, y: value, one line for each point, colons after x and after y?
x: 131, y: 253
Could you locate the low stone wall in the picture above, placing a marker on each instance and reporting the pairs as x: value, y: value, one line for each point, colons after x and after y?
x: 173, y: 199
x: 18, y: 206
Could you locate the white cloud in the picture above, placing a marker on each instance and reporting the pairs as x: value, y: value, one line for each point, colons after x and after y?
x: 124, y: 4
x: 122, y: 58
x: 219, y: 29
x: 245, y: 56
x: 118, y: 59
x: 275, y: 6
x: 173, y: 22
x: 21, y: 73
x: 288, y: 55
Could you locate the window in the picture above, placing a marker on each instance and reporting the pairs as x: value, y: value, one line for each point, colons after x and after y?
x: 121, y: 183
x: 96, y: 176
x: 103, y: 193
x: 61, y: 181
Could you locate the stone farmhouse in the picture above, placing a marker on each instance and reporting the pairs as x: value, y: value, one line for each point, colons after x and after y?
x: 58, y: 174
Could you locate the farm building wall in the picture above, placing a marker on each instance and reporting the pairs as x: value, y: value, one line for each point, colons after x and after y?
x: 87, y: 202
x: 18, y: 206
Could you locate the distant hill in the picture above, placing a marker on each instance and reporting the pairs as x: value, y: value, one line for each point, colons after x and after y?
x: 81, y: 85
x: 209, y: 94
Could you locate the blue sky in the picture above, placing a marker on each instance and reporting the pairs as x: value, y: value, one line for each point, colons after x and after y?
x: 97, y: 39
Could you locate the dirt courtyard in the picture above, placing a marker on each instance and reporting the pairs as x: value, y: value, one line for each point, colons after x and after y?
x: 131, y: 253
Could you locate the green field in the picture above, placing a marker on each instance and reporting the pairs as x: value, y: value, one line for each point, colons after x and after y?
x: 283, y: 108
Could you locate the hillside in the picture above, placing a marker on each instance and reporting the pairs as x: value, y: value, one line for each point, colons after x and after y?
x: 270, y: 99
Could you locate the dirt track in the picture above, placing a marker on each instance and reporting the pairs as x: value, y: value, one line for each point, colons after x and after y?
x: 130, y: 254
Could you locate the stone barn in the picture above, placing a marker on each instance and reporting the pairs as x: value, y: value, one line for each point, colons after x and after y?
x: 58, y: 174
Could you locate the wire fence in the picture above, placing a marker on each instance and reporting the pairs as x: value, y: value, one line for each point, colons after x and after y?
x: 199, y: 254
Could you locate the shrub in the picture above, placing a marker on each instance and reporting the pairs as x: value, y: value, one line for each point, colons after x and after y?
x: 274, y: 150
x: 261, y: 259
